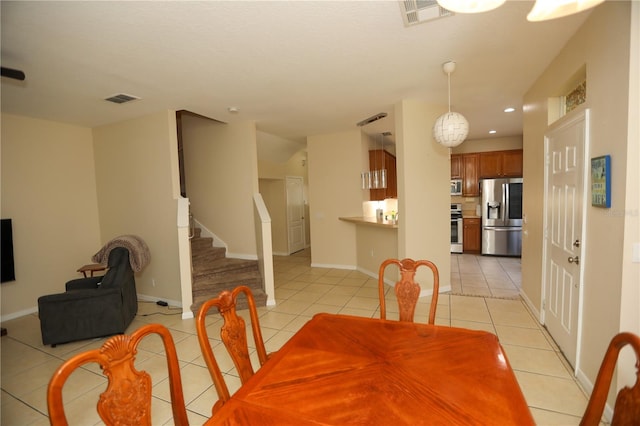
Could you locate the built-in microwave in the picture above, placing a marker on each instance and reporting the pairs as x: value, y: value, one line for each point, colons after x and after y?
x: 456, y: 186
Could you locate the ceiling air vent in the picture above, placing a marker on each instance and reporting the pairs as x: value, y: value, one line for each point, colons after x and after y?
x: 121, y: 98
x: 419, y: 11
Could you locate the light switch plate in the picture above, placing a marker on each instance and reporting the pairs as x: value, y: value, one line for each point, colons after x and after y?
x: 635, y: 253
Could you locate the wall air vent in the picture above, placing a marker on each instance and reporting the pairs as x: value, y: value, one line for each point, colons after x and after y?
x: 418, y: 11
x: 121, y: 98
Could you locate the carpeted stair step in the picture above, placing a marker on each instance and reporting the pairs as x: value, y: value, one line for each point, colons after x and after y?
x: 213, y: 272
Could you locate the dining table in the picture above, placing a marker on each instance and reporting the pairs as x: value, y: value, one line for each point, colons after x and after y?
x: 349, y: 370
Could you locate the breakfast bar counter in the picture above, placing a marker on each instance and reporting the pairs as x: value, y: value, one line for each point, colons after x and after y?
x: 371, y: 221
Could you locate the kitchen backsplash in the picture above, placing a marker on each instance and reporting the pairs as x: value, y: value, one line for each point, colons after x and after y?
x: 470, y: 205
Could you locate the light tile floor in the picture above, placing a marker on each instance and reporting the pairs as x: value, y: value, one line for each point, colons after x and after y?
x: 488, y: 276
x: 546, y: 381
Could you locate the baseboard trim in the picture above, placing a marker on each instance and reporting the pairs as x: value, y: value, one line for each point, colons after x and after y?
x: 329, y: 265
x: 19, y: 314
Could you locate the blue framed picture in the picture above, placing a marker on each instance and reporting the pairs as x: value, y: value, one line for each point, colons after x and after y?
x: 601, y: 181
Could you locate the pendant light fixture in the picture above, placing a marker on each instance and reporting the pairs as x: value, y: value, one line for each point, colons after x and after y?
x: 543, y: 10
x: 376, y: 178
x: 470, y: 6
x: 451, y: 128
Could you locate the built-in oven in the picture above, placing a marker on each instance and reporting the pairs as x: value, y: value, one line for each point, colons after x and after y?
x: 456, y: 228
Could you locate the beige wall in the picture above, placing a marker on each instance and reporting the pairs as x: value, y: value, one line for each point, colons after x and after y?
x: 489, y: 144
x: 294, y: 166
x: 135, y: 180
x: 335, y: 163
x: 273, y: 192
x: 424, y: 173
x: 48, y: 190
x: 374, y: 246
x: 221, y: 169
x: 629, y: 312
x: 602, y: 43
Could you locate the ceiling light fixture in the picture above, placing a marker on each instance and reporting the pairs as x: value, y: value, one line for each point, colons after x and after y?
x: 451, y: 128
x: 470, y: 6
x: 510, y: 109
x: 543, y: 10
x: 492, y: 132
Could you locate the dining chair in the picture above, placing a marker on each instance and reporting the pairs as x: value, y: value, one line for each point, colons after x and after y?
x: 626, y: 410
x: 406, y: 289
x: 233, y: 334
x: 127, y: 399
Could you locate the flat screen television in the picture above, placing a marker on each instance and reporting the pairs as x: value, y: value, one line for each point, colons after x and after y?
x: 6, y: 251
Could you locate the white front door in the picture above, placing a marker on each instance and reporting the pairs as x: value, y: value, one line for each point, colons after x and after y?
x: 564, y: 202
x: 295, y: 213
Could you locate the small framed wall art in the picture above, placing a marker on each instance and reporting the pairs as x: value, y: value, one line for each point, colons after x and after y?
x: 601, y: 181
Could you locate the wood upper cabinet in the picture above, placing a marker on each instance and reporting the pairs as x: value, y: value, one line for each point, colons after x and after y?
x: 470, y: 175
x: 456, y: 166
x: 380, y: 159
x: 497, y: 164
x: 471, y: 241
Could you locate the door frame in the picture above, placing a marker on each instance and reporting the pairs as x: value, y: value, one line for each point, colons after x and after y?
x: 580, y: 114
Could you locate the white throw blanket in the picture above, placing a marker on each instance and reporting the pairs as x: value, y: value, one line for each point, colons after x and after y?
x: 139, y: 255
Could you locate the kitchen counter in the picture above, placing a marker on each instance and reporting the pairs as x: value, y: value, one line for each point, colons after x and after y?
x: 371, y: 221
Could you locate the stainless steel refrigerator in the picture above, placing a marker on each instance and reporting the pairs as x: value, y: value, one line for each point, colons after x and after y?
x: 502, y: 217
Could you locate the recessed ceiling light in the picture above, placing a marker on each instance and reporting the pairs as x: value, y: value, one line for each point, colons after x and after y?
x: 510, y: 109
x: 233, y: 109
x: 492, y: 132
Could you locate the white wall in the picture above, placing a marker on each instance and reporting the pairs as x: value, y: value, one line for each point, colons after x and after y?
x: 48, y: 190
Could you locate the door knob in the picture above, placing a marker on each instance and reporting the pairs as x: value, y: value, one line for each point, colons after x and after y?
x: 575, y: 260
x: 576, y: 243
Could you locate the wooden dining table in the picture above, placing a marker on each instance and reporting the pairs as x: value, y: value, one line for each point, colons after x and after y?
x: 347, y: 370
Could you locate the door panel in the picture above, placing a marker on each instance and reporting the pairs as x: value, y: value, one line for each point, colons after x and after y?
x: 564, y: 197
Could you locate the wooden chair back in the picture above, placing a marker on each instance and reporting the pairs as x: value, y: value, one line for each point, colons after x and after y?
x: 626, y: 410
x: 407, y: 291
x: 234, y: 336
x: 127, y: 399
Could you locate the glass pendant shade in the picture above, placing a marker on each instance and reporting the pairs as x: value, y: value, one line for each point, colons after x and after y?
x: 470, y: 6
x: 364, y: 180
x: 376, y: 179
x: 450, y: 129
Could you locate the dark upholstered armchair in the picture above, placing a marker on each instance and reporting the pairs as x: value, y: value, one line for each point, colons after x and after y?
x: 91, y: 307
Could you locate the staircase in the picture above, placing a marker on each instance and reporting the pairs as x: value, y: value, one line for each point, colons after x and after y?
x: 213, y: 272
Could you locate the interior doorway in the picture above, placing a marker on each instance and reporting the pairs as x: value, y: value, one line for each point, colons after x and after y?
x: 565, y: 200
x: 295, y: 213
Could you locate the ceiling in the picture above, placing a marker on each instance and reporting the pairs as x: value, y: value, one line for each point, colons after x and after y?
x: 296, y: 68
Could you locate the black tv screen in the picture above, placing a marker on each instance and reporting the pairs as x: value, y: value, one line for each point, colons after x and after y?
x: 6, y: 251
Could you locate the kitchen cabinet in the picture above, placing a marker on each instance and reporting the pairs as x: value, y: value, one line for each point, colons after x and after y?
x: 498, y: 164
x: 470, y: 175
x: 380, y: 159
x: 471, y: 241
x: 456, y: 166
